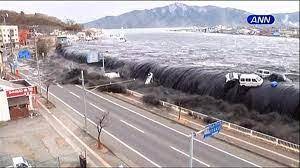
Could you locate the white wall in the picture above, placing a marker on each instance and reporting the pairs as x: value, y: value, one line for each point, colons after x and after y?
x: 5, y: 33
x: 4, y: 110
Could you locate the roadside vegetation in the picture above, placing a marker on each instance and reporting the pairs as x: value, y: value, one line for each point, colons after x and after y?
x: 270, y: 123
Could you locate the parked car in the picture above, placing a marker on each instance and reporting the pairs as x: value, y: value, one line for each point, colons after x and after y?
x: 263, y: 73
x: 250, y: 80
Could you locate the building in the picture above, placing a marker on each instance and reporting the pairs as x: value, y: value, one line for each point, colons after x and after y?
x: 23, y: 37
x: 9, y: 34
x: 81, y: 35
x: 16, y: 99
x: 94, y: 33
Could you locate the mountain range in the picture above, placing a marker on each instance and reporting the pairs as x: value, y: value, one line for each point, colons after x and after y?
x: 181, y: 15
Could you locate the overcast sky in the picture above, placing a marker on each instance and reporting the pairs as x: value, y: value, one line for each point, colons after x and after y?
x: 84, y: 11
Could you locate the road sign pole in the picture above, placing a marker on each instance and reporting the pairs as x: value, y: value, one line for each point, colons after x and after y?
x: 191, y: 149
x: 193, y: 135
x: 84, y: 100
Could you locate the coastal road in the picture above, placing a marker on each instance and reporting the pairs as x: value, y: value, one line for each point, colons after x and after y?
x: 152, y: 141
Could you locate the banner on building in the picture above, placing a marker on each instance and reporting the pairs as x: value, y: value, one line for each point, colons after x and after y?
x: 25, y: 91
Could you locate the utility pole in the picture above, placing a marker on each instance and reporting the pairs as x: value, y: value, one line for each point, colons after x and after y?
x: 37, y: 61
x: 103, y: 63
x: 84, y: 100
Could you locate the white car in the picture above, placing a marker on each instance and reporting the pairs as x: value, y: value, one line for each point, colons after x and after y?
x: 20, y: 162
x: 263, y: 73
x: 250, y: 80
x: 231, y: 76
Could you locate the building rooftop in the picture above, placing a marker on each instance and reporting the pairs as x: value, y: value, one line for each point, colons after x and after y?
x: 7, y: 85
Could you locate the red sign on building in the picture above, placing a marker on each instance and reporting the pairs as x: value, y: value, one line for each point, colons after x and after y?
x: 25, y: 91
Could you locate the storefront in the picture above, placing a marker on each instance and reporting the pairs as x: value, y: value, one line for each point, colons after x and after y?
x: 16, y: 99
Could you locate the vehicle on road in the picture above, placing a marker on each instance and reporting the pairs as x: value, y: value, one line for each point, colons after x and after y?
x: 263, y: 73
x: 250, y: 80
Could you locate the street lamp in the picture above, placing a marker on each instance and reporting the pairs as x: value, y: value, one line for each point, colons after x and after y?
x: 36, y: 55
x: 84, y: 100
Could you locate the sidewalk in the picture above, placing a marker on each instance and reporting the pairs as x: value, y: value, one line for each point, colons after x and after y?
x: 34, y: 139
x: 70, y: 127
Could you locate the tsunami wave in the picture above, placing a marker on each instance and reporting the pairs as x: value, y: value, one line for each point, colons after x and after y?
x: 283, y: 99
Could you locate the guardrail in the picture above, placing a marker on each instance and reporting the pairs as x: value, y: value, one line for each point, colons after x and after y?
x: 228, y: 125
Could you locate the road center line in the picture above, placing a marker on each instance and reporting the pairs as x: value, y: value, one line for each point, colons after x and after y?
x: 59, y: 85
x: 75, y: 95
x: 172, y: 129
x: 207, y: 165
x: 123, y: 143
x: 157, y: 123
x: 132, y: 126
x: 96, y: 106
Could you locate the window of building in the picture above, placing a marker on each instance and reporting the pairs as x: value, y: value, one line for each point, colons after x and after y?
x: 248, y: 79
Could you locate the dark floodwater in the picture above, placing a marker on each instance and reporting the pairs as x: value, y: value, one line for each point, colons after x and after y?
x: 197, y: 63
x: 213, y: 51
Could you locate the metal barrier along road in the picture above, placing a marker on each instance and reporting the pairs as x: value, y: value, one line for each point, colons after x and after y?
x: 231, y: 126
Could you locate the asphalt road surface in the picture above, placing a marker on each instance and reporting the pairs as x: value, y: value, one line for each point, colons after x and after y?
x: 150, y: 140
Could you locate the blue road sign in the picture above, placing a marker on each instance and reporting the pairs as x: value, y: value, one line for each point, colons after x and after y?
x: 24, y: 54
x: 212, y: 129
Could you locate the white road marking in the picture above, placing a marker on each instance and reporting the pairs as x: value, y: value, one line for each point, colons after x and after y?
x: 96, y: 107
x: 59, y: 85
x: 78, y: 139
x: 132, y: 126
x: 123, y: 143
x: 173, y: 129
x: 75, y: 95
x: 227, y: 153
x: 220, y: 133
x: 248, y: 143
x: 207, y: 165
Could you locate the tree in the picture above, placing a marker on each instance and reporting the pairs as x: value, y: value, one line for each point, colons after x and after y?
x: 48, y: 81
x: 102, y: 121
x: 43, y: 46
x: 71, y: 25
x: 49, y: 74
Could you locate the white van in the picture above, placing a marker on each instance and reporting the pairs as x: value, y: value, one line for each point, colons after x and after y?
x: 250, y: 80
x: 263, y: 73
